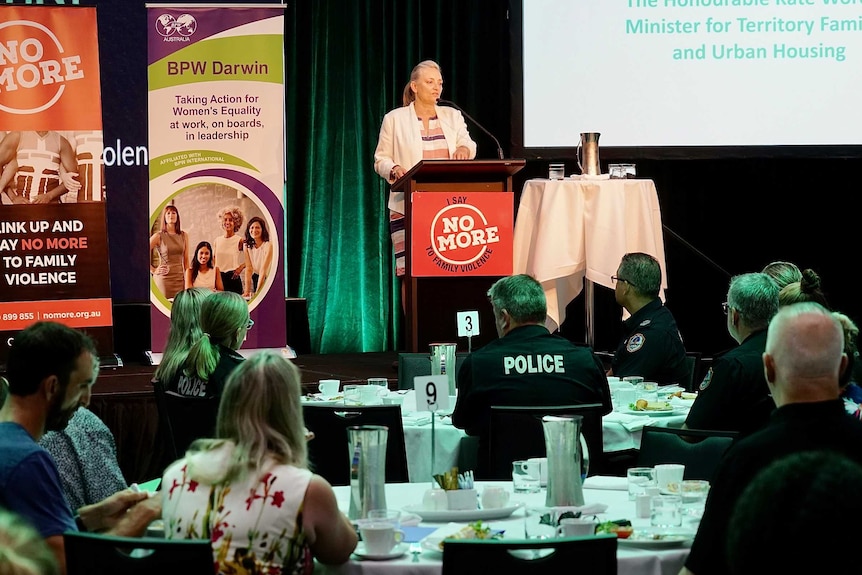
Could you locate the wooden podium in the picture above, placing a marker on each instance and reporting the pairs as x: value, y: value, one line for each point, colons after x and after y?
x: 432, y: 303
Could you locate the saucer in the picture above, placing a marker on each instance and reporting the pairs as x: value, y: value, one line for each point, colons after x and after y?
x: 396, y: 552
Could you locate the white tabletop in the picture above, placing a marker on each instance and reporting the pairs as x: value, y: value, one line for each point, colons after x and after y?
x: 566, y: 230
x: 631, y: 560
x: 621, y: 431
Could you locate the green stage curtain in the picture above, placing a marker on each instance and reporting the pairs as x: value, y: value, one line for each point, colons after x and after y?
x: 346, y: 66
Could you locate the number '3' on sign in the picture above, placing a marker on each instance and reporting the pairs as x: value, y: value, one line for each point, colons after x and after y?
x: 432, y: 392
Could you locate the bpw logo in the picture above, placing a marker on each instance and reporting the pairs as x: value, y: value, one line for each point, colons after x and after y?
x: 460, y: 235
x: 176, y: 29
x: 34, y: 67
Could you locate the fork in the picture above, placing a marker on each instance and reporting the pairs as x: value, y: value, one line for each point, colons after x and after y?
x: 416, y: 550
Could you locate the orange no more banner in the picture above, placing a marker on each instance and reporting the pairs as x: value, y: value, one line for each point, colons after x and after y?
x: 461, y: 234
x: 79, y: 313
x: 49, y: 69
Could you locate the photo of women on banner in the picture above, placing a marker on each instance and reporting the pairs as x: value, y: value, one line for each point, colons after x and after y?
x: 216, y: 140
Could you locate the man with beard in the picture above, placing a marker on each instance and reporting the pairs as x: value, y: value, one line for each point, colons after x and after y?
x: 48, y: 369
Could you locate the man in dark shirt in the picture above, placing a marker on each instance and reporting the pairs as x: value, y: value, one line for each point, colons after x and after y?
x: 49, y: 367
x: 651, y: 346
x: 526, y: 366
x: 733, y: 395
x: 803, y: 360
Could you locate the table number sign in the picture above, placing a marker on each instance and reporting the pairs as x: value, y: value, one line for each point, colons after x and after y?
x: 431, y: 392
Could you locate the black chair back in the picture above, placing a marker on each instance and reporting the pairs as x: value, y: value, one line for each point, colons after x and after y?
x: 328, y: 452
x: 516, y: 432
x: 700, y: 453
x: 184, y: 419
x: 414, y: 364
x: 596, y: 555
x: 96, y: 554
x: 692, y: 362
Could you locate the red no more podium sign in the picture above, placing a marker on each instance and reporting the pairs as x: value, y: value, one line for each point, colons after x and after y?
x: 458, y: 235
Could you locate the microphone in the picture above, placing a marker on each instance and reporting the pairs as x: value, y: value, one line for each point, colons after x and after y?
x: 480, y: 126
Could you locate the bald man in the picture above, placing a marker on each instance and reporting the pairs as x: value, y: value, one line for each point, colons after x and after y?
x: 803, y: 360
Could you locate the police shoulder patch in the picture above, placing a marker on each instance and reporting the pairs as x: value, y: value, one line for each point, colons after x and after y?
x: 707, y: 378
x: 635, y: 342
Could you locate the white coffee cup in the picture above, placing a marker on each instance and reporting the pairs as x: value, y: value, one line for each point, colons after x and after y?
x: 380, y: 537
x: 576, y: 527
x: 328, y: 387
x: 435, y: 500
x: 666, y: 473
x: 494, y: 497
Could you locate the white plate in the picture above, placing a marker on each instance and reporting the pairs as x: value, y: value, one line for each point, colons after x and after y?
x: 396, y: 552
x: 646, y: 538
x: 653, y: 413
x: 463, y: 514
x: 432, y: 545
x: 316, y: 399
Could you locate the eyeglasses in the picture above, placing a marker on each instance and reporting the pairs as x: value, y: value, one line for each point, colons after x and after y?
x: 616, y: 279
x: 725, y: 307
x: 250, y: 324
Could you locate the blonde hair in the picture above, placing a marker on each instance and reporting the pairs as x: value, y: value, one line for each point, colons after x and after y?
x: 185, y: 330
x: 224, y: 318
x: 261, y: 413
x: 783, y: 272
x: 409, y: 95
x: 236, y: 213
x: 23, y: 551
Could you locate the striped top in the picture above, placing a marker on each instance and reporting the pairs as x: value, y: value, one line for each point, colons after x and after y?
x: 434, y: 146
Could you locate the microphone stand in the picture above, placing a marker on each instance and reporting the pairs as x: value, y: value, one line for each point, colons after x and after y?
x: 695, y: 250
x: 480, y: 126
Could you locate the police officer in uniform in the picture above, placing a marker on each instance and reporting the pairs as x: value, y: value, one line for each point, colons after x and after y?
x: 527, y: 365
x: 652, y: 346
x: 733, y: 395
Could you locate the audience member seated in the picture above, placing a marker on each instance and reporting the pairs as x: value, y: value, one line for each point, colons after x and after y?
x: 49, y: 367
x: 22, y: 549
x: 790, y: 506
x: 526, y: 366
x: 184, y: 332
x: 803, y: 360
x: 783, y: 272
x: 851, y: 392
x: 224, y: 323
x: 806, y: 289
x: 86, y: 454
x: 250, y: 489
x: 733, y: 395
x: 651, y: 345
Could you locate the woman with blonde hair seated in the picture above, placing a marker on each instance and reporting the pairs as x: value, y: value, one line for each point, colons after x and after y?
x: 192, y: 392
x: 250, y: 490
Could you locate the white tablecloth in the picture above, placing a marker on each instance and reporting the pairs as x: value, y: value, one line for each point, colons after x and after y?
x: 620, y: 432
x: 417, y: 440
x: 631, y: 560
x: 566, y: 230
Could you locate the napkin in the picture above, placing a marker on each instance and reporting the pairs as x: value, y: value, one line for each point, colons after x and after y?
x: 631, y: 423
x: 417, y: 418
x: 606, y: 482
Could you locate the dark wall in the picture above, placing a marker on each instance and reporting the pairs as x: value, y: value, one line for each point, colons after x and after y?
x: 723, y: 216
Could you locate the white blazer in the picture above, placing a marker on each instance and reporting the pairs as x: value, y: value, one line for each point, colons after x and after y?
x: 400, y: 142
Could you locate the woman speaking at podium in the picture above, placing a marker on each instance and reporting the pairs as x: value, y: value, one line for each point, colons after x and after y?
x: 419, y: 130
